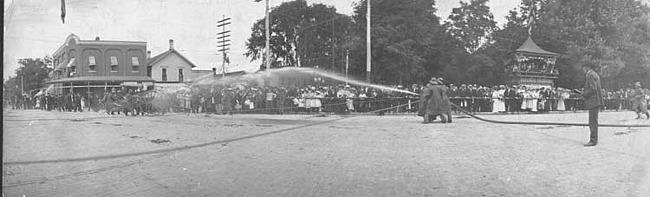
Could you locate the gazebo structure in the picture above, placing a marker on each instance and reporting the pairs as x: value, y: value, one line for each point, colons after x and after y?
x: 532, y: 66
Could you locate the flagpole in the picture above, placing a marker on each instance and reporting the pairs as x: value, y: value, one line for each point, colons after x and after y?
x: 368, y: 45
x: 347, y: 65
x: 268, y: 52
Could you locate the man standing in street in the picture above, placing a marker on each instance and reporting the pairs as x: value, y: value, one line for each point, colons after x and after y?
x: 593, y: 100
x: 639, y: 103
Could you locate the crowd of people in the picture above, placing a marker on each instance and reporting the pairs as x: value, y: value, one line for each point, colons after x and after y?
x: 121, y: 101
x: 63, y: 102
x: 514, y: 99
x: 334, y: 98
x: 346, y: 98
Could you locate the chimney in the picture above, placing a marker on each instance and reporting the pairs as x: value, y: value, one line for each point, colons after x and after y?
x: 97, y: 38
x: 148, y: 54
x: 171, y: 44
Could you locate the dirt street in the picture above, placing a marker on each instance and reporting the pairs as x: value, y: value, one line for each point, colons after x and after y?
x: 91, y: 154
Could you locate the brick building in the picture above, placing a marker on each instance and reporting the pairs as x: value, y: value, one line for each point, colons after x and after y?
x: 98, y: 65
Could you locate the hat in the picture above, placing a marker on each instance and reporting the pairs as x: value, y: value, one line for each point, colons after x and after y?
x: 637, y: 84
x: 434, y: 81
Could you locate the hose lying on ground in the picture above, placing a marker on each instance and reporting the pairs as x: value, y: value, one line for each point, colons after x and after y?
x: 523, y: 123
x: 545, y: 123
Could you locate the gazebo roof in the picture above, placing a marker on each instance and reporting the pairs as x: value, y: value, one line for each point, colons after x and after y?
x: 531, y: 48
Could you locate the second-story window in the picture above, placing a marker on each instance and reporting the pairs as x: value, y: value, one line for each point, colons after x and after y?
x: 135, y: 64
x: 114, y: 64
x: 72, y: 66
x: 92, y: 65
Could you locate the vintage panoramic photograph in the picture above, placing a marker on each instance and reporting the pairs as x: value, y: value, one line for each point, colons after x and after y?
x: 419, y: 98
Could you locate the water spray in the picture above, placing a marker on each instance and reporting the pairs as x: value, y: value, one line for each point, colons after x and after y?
x: 209, y: 79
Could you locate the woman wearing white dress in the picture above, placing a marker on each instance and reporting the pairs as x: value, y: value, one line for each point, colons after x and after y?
x: 534, y: 96
x: 562, y: 94
x: 316, y: 103
x: 307, y: 97
x: 498, y: 105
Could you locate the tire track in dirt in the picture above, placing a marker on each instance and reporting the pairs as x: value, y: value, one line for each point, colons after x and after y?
x: 81, y: 173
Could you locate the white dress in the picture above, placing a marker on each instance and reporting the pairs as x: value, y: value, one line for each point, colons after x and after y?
x: 498, y: 105
x: 560, y: 101
x: 315, y: 101
x: 306, y: 99
x: 533, y: 101
x: 525, y: 104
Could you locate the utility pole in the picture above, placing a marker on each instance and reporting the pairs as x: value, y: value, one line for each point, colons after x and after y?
x: 223, y: 43
x: 368, y: 45
x: 347, y: 65
x: 268, y: 37
x: 22, y: 84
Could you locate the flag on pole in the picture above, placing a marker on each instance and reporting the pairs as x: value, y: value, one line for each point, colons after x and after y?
x: 63, y: 11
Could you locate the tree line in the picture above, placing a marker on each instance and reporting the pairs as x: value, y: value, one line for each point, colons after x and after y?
x: 410, y: 43
x: 31, y: 75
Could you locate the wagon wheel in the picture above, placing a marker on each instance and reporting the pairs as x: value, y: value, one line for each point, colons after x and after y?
x: 98, y: 107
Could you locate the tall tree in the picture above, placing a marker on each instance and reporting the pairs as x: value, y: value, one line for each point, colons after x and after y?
x: 402, y: 32
x: 471, y: 23
x: 470, y: 26
x: 11, y: 88
x: 609, y: 33
x: 612, y: 34
x: 301, y: 35
x: 32, y: 72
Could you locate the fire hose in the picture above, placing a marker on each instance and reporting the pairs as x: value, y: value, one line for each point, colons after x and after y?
x: 521, y: 123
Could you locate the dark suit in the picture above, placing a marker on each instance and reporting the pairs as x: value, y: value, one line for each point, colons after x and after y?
x: 511, y: 104
x: 592, y: 101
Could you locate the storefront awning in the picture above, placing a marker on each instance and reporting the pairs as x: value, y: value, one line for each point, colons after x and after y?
x: 104, y: 79
x: 71, y: 63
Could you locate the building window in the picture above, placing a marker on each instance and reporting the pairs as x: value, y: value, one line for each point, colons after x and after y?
x: 180, y: 75
x: 114, y: 64
x: 164, y: 74
x: 135, y: 64
x: 92, y: 65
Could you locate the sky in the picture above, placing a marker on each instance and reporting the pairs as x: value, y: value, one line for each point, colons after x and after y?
x: 33, y: 28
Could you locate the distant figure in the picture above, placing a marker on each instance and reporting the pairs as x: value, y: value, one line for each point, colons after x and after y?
x: 593, y: 100
x: 639, y: 104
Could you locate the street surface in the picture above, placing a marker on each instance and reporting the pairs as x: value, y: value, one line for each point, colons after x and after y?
x: 92, y: 154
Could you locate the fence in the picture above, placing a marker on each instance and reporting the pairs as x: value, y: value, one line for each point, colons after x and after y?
x: 398, y: 105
